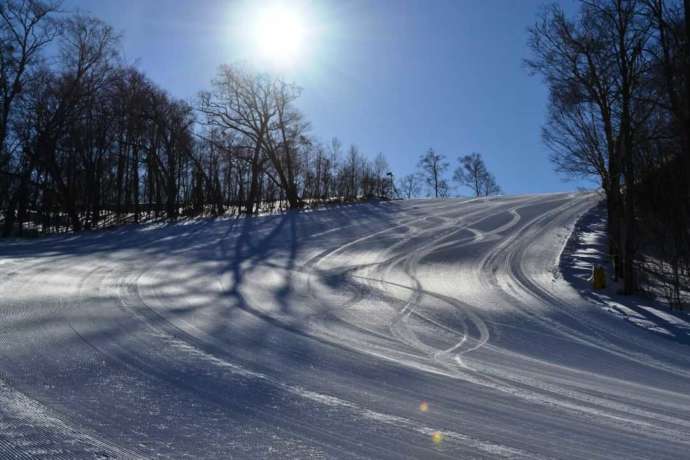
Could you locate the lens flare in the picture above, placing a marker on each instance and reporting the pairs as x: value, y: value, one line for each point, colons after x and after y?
x: 424, y: 406
x: 437, y: 437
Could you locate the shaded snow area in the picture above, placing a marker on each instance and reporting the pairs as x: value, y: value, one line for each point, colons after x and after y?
x: 587, y: 247
x: 417, y: 329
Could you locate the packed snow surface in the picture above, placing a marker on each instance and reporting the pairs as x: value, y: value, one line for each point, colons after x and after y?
x: 426, y: 329
x: 587, y: 247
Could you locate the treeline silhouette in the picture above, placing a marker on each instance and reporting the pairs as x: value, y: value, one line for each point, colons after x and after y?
x: 619, y: 110
x: 471, y: 173
x: 87, y: 141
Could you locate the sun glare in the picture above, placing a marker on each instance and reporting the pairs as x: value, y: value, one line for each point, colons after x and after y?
x: 279, y: 34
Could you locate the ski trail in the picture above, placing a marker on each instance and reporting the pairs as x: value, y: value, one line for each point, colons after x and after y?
x: 310, y: 336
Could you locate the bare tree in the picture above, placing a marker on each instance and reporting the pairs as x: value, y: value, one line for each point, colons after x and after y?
x: 409, y: 186
x: 26, y: 28
x: 260, y: 108
x: 472, y: 173
x: 595, y: 68
x: 284, y: 139
x: 241, y: 102
x: 580, y: 130
x: 381, y: 180
x: 86, y: 50
x: 433, y: 166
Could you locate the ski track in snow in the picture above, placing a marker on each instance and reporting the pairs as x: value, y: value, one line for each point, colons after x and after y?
x: 321, y: 335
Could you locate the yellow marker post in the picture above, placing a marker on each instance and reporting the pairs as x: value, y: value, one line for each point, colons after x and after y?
x: 598, y: 277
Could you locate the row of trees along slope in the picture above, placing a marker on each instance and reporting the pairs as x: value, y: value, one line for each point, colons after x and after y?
x: 86, y: 140
x: 619, y: 110
x: 471, y: 172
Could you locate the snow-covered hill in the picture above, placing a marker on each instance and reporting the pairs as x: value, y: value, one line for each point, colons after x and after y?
x: 427, y: 329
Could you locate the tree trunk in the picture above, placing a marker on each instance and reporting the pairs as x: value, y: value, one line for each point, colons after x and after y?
x: 8, y: 225
x: 613, y: 208
x: 629, y: 249
x: 254, y: 187
x: 687, y: 88
x: 135, y: 185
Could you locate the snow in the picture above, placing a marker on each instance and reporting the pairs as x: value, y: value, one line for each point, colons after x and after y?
x: 321, y: 334
x: 586, y: 248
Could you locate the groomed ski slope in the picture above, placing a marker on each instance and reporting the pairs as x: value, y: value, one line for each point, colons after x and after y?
x: 425, y: 329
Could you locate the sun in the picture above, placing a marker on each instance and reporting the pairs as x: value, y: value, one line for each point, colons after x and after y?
x: 280, y: 33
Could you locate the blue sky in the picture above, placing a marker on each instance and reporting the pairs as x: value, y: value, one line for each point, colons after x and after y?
x: 395, y: 77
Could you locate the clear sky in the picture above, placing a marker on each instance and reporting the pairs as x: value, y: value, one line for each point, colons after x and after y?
x: 395, y: 76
